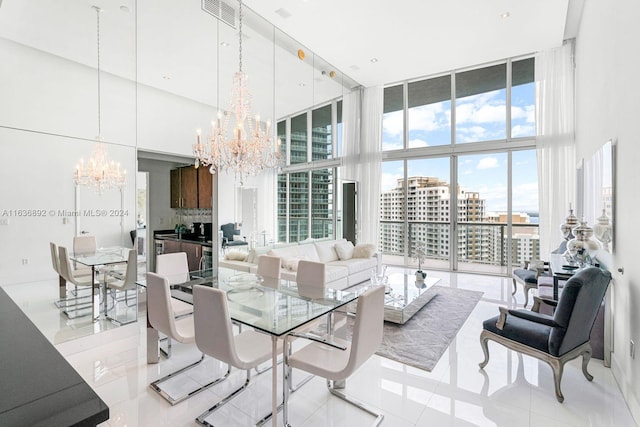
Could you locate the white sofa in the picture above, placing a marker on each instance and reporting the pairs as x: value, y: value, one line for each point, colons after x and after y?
x: 339, y: 273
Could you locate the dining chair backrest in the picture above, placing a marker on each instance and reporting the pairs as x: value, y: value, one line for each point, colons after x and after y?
x: 173, y: 266
x: 310, y: 275
x: 84, y: 244
x: 55, y: 258
x: 269, y: 266
x: 367, y: 329
x: 131, y: 273
x: 65, y: 267
x: 159, y: 308
x: 214, y: 334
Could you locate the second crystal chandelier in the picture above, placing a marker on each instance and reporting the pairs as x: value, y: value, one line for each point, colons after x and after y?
x: 246, y: 147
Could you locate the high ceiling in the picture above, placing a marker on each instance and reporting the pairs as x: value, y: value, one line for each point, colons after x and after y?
x: 176, y: 47
x: 413, y: 38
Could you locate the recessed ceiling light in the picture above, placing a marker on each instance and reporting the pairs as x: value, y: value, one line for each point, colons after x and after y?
x: 505, y: 15
x: 224, y: 44
x: 374, y: 60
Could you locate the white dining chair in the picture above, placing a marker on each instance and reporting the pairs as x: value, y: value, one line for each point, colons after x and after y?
x: 269, y: 266
x: 162, y: 318
x: 122, y: 283
x: 175, y: 267
x: 67, y: 272
x: 310, y: 278
x: 339, y: 359
x: 214, y: 337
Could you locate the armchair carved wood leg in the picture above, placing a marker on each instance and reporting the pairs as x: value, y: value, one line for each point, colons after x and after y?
x: 515, y: 287
x: 586, y: 356
x: 557, y: 367
x: 484, y: 340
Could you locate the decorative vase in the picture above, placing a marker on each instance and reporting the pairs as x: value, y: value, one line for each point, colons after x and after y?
x: 582, y: 247
x: 570, y: 222
x: 602, y: 230
x: 420, y: 276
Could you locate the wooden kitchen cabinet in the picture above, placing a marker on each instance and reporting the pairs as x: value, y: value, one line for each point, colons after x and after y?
x: 189, y: 187
x: 205, y: 188
x: 184, y: 188
x: 194, y: 254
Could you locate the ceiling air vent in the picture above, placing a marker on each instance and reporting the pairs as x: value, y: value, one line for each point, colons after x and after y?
x: 220, y: 10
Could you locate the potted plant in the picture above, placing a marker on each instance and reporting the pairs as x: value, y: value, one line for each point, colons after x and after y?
x: 420, y: 255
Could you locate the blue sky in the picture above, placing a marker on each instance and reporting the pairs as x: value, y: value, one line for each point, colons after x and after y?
x: 479, y: 117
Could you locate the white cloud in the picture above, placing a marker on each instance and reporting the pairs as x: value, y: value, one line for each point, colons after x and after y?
x: 471, y: 133
x: 392, y: 123
x: 528, y: 113
x: 525, y: 197
x: 523, y: 130
x: 417, y: 143
x: 386, y: 145
x: 487, y: 163
x: 487, y: 107
x: 429, y: 117
x: 389, y: 181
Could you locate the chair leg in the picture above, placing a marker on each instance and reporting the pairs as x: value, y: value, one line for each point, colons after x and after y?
x: 557, y: 366
x: 484, y: 343
x: 201, y: 420
x: 357, y: 403
x: 155, y: 385
x: 586, y: 356
x: 515, y: 287
x: 167, y: 353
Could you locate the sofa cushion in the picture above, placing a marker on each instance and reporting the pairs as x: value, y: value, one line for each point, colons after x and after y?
x: 236, y: 256
x: 306, y: 252
x: 327, y: 251
x: 344, y: 250
x: 364, y: 250
x: 356, y: 265
x: 334, y: 272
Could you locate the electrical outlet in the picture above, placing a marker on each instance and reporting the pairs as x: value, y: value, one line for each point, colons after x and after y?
x: 632, y: 349
x: 25, y: 261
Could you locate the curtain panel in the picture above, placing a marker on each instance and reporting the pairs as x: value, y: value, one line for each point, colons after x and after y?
x: 554, y: 74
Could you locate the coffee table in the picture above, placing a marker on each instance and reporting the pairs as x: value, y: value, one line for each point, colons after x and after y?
x: 405, y: 297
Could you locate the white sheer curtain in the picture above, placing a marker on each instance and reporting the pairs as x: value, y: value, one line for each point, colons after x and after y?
x: 554, y: 71
x: 370, y: 165
x: 362, y: 159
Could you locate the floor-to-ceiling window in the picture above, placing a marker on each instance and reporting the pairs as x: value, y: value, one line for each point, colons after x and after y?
x: 306, y: 184
x: 459, y: 169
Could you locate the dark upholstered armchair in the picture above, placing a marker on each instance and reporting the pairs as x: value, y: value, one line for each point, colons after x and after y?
x: 529, y: 275
x: 553, y: 339
x: 228, y: 231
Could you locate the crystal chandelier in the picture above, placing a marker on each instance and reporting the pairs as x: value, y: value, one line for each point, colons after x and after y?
x: 246, y: 147
x: 99, y: 173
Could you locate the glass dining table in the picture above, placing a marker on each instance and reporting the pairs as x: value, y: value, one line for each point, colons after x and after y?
x: 273, y: 306
x: 100, y: 258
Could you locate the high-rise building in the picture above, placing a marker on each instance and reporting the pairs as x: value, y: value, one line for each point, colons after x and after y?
x: 481, y: 236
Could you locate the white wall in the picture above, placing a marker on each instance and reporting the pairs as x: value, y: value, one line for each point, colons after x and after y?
x: 607, y: 106
x: 37, y: 195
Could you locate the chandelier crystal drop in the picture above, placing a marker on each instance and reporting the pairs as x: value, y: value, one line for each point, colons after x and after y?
x: 238, y: 141
x: 98, y: 172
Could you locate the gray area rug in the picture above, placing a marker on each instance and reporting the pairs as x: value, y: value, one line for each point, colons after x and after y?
x: 422, y: 340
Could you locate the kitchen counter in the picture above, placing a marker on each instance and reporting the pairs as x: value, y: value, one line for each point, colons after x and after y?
x: 185, y: 237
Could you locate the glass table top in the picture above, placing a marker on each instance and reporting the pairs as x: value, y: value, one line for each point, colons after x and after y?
x: 273, y: 306
x: 102, y: 256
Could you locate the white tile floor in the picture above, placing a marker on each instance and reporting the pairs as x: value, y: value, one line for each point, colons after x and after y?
x: 513, y: 390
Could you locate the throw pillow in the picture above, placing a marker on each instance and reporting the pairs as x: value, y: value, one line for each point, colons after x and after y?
x: 364, y: 250
x: 344, y: 250
x: 236, y: 256
x: 237, y: 238
x: 292, y: 264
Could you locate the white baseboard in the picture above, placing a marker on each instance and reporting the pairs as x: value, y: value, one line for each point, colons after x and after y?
x: 626, y: 388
